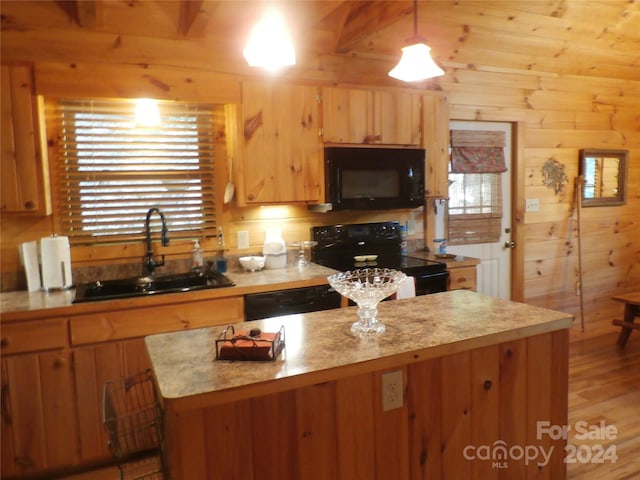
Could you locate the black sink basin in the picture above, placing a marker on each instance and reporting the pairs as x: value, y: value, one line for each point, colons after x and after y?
x: 141, y: 286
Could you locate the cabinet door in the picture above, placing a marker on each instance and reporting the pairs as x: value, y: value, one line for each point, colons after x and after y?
x: 23, y: 171
x: 94, y: 365
x: 370, y: 117
x: 282, y: 160
x: 347, y: 116
x: 435, y: 114
x: 39, y: 426
x: 397, y: 118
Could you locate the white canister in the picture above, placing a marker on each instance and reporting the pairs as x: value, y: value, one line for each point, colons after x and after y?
x: 55, y: 256
x: 274, y: 249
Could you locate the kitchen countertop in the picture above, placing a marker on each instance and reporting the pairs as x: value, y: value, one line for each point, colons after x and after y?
x: 455, y: 261
x: 23, y: 305
x: 320, y: 346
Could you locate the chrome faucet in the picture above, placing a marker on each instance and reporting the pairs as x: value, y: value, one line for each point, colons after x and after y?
x: 151, y: 263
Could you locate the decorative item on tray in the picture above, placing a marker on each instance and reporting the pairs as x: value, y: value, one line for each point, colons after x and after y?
x: 367, y: 287
x: 249, y: 345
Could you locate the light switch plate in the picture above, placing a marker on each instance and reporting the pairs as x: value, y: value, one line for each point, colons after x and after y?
x: 532, y: 205
x: 243, y: 240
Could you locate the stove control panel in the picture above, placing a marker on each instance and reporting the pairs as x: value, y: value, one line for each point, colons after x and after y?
x: 356, y: 233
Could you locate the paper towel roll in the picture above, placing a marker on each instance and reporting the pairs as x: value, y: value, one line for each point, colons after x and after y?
x: 29, y: 257
x: 55, y: 255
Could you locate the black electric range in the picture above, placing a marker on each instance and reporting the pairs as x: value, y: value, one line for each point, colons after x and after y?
x: 338, y: 245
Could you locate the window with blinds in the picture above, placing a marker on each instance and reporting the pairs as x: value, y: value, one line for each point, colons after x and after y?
x: 475, y: 208
x: 110, y: 166
x: 475, y: 186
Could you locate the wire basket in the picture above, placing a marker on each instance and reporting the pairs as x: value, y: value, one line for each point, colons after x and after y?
x: 133, y: 419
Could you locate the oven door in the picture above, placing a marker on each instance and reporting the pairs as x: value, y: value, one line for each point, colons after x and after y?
x: 431, y: 283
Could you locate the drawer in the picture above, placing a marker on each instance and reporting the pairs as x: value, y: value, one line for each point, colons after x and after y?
x: 28, y: 336
x: 463, y: 278
x: 139, y: 322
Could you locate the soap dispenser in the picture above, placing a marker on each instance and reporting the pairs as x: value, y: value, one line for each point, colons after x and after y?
x: 221, y: 259
x: 196, y: 257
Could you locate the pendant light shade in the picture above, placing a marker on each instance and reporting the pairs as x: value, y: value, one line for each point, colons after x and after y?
x: 269, y: 45
x: 416, y: 63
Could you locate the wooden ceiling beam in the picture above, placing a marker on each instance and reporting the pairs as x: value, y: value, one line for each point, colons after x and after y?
x: 368, y: 18
x: 189, y: 10
x: 82, y: 12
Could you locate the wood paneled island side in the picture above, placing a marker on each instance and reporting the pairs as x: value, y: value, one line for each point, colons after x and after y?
x: 481, y: 377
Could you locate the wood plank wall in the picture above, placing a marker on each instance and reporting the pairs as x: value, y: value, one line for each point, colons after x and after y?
x: 338, y: 430
x: 556, y: 116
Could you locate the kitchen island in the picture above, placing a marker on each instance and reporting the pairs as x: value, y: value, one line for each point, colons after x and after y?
x: 478, y: 377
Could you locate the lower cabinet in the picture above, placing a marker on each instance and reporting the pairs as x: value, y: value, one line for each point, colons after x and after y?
x: 463, y: 278
x: 460, y: 412
x: 52, y: 382
x: 94, y: 365
x: 39, y: 421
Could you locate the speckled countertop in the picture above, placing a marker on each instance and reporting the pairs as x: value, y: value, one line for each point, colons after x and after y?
x: 320, y: 346
x: 24, y: 305
x: 451, y: 261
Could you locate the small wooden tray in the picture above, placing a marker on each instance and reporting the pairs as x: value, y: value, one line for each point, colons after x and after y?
x: 249, y: 345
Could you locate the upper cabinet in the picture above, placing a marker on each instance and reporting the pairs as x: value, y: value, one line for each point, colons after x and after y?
x: 281, y: 155
x: 435, y: 114
x: 23, y: 171
x: 361, y: 116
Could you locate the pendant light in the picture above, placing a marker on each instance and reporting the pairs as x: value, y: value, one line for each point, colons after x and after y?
x: 269, y: 45
x: 416, y: 63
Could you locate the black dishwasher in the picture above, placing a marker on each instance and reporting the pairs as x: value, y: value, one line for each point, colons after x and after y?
x: 290, y: 301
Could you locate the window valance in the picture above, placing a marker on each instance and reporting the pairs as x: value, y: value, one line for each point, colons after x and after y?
x: 477, y: 151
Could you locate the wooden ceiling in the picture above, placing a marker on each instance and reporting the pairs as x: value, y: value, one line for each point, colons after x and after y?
x: 598, y: 38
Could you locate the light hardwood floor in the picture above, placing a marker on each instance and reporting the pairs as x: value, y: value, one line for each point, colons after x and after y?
x: 604, y: 391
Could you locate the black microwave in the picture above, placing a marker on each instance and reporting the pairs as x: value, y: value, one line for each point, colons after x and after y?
x: 370, y: 178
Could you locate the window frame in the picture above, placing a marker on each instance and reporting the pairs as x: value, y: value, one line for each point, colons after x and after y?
x: 57, y: 177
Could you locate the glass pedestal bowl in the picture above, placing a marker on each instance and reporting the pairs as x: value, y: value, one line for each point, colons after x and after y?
x: 367, y: 287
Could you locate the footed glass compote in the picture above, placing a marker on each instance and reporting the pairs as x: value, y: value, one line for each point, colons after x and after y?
x: 367, y: 287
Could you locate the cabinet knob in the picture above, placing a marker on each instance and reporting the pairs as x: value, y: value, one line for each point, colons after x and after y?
x: 462, y: 279
x: 487, y: 385
x: 4, y: 342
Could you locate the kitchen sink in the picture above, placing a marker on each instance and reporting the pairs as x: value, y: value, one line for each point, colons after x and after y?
x: 151, y: 285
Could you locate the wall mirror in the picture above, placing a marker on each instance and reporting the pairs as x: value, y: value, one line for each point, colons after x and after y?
x: 605, y: 176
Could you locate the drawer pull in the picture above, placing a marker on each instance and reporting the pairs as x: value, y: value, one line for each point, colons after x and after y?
x: 4, y: 343
x: 462, y: 279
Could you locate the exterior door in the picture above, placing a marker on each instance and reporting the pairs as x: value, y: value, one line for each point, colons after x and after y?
x: 494, y: 270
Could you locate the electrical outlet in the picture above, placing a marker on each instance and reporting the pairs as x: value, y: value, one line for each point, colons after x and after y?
x: 392, y: 390
x: 411, y: 227
x: 532, y: 205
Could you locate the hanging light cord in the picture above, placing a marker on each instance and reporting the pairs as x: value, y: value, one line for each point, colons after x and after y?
x: 415, y: 18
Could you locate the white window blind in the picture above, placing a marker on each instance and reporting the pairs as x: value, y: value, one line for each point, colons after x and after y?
x: 109, y: 170
x: 475, y: 208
